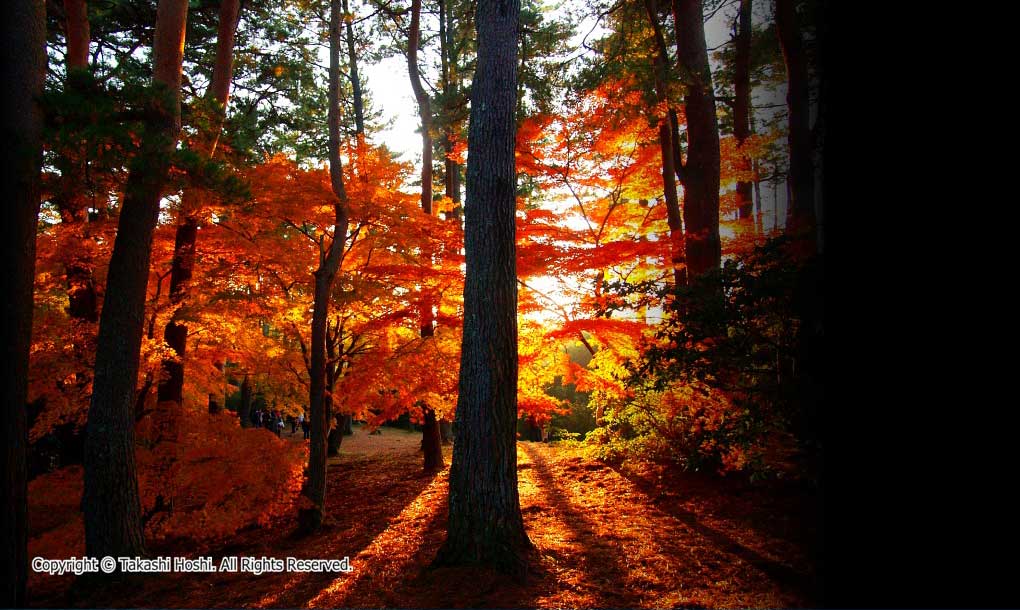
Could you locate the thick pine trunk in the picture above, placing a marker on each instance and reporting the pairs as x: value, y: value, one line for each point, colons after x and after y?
x: 312, y: 511
x: 485, y: 524
x: 742, y: 104
x: 801, y: 209
x: 23, y: 38
x: 700, y: 173
x: 110, y: 503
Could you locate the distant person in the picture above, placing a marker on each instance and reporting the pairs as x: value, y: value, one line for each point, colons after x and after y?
x: 293, y: 424
x: 305, y: 428
x: 279, y: 427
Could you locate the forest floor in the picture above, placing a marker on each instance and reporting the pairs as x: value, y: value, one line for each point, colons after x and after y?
x: 603, y: 537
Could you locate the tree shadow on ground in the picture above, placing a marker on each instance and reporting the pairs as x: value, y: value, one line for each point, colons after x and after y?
x: 601, y: 559
x: 785, y: 512
x: 362, y: 499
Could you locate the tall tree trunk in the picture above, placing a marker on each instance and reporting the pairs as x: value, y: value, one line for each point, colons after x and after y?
x: 669, y: 153
x: 448, y: 56
x: 451, y: 169
x: 78, y: 34
x: 23, y: 38
x: 424, y: 107
x: 800, y: 214
x: 430, y: 429
x: 310, y: 516
x: 431, y: 438
x: 71, y: 201
x: 352, y: 62
x: 742, y: 105
x: 170, y: 391
x: 110, y: 502
x: 485, y: 523
x: 701, y: 170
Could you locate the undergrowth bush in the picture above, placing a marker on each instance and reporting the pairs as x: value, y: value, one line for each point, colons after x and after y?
x: 718, y: 386
x: 227, y: 478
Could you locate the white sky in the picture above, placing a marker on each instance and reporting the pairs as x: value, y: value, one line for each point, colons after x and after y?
x: 389, y: 86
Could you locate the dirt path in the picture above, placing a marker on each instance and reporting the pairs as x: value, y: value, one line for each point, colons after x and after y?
x: 601, y: 539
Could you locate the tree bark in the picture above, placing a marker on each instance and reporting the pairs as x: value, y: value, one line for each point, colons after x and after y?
x: 801, y: 209
x: 310, y: 516
x: 451, y: 176
x: 431, y: 441
x: 431, y: 445
x: 244, y: 411
x: 424, y: 107
x: 71, y: 199
x: 170, y: 391
x: 336, y: 436
x: 352, y: 62
x: 742, y: 105
x: 448, y: 56
x: 223, y: 71
x: 700, y: 175
x: 485, y: 524
x: 78, y: 33
x: 110, y: 503
x: 668, y: 152
x: 23, y: 38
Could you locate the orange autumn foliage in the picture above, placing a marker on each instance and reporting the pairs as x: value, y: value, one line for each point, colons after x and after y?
x: 227, y: 479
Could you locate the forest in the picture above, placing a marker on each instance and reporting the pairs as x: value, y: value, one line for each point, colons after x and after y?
x: 559, y: 344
